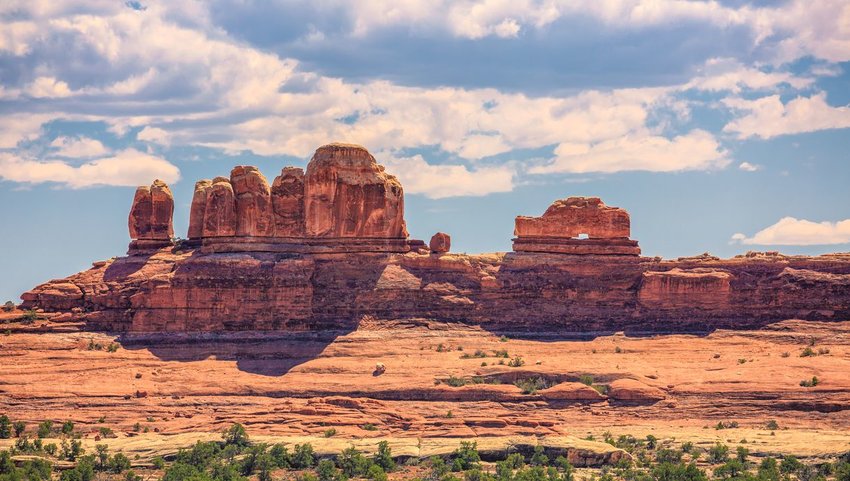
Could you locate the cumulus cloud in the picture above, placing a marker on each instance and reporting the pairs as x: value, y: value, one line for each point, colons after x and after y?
x: 696, y: 150
x: 799, y: 232
x: 78, y: 147
x: 748, y: 167
x: 154, y: 135
x: 439, y: 181
x: 768, y: 117
x: 728, y: 74
x: 127, y: 168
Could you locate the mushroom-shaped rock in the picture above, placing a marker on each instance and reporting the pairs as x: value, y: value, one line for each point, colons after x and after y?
x: 571, y: 391
x: 288, y: 202
x: 199, y: 206
x: 253, y: 202
x: 440, y: 243
x: 347, y: 194
x: 220, y: 212
x: 151, y: 214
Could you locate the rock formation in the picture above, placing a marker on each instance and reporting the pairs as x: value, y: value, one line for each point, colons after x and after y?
x: 288, y: 202
x: 440, y: 243
x: 150, y: 220
x: 328, y: 249
x: 347, y: 194
x: 576, y: 225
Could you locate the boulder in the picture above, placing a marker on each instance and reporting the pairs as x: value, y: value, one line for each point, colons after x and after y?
x: 220, y: 211
x: 288, y: 202
x: 347, y: 194
x: 632, y: 390
x: 199, y: 205
x: 440, y: 243
x: 571, y: 391
x: 253, y: 202
x: 151, y: 213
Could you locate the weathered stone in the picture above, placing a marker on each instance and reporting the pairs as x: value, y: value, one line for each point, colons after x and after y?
x: 577, y: 225
x: 440, y: 243
x: 220, y: 211
x: 575, y: 216
x: 151, y: 214
x: 347, y: 194
x: 254, y: 215
x: 199, y: 206
x: 288, y: 202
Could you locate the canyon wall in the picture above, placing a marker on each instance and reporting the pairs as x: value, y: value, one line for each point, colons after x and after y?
x: 328, y: 248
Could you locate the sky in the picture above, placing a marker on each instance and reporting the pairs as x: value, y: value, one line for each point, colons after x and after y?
x: 721, y: 126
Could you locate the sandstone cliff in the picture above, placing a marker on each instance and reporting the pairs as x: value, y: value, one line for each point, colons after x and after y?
x: 329, y: 248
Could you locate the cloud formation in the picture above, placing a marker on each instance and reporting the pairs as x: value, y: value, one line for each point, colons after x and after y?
x: 768, y: 117
x: 798, y: 232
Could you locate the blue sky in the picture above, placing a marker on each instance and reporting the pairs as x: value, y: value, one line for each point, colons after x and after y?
x: 720, y: 126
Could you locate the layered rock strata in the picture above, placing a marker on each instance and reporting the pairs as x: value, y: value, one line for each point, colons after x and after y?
x: 328, y: 248
x: 576, y: 225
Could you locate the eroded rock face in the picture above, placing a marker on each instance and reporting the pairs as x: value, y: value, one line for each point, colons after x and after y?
x: 288, y: 202
x: 575, y: 216
x: 199, y: 206
x: 151, y: 214
x: 253, y: 202
x: 220, y: 211
x: 440, y: 243
x: 347, y: 194
x: 576, y: 225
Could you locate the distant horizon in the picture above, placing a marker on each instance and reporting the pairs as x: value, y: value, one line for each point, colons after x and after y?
x: 721, y: 127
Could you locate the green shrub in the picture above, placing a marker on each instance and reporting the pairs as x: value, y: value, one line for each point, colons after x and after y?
x: 19, y: 427
x: 376, y: 473
x: 814, y: 381
x: 718, y: 453
x: 384, y: 457
x: 353, y: 463
x: 538, y: 458
x: 586, y: 379
x: 808, y: 352
x: 369, y: 427
x: 44, y: 429
x: 68, y: 428
x: 466, y: 456
x: 531, y: 385
x: 329, y: 433
x: 9, y: 306
x: 327, y: 471
x: 516, y: 362
x: 119, y: 463
x: 456, y: 381
x: 236, y: 435
x: 303, y: 457
x: 5, y: 427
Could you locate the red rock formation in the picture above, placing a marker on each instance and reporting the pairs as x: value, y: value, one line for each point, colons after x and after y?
x: 688, y: 288
x: 288, y: 202
x: 220, y: 211
x: 199, y: 205
x: 347, y: 194
x: 559, y: 230
x: 440, y: 243
x: 254, y: 215
x: 151, y: 213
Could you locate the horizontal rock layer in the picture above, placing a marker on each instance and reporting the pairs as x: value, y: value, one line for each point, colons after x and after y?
x: 196, y: 291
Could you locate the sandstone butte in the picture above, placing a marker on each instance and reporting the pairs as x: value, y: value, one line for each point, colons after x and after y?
x: 327, y: 248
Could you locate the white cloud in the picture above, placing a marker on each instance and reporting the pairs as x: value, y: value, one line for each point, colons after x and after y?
x: 127, y: 168
x: 78, y: 147
x: 748, y: 167
x: 768, y: 117
x: 48, y: 87
x: 728, y: 74
x: 696, y: 150
x: 439, y: 181
x: 799, y: 232
x: 154, y: 135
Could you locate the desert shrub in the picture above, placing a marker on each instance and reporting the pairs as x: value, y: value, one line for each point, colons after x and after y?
x: 9, y: 306
x: 132, y: 476
x: 586, y: 379
x: 106, y: 432
x: 503, y: 353
x: 376, y: 473
x: 72, y: 449
x: 668, y: 456
x: 678, y: 472
x: 68, y: 428
x: 651, y: 441
x: 538, y: 458
x: 790, y: 464
x: 352, y: 462
x: 772, y: 425
x: 83, y: 471
x: 329, y: 433
x: 726, y: 425
x: 516, y: 362
x: 369, y: 427
x: 112, y: 347
x: 19, y: 427
x: 29, y: 316
x: 814, y: 381
x: 44, y: 429
x: 327, y: 471
x: 437, y: 468
x: 456, y: 381
x: 466, y: 456
x: 102, y: 456
x: 808, y: 352
x: 768, y: 470
x: 718, y: 453
x: 236, y: 435
x: 200, y: 455
x: 5, y: 427
x: 531, y: 385
x: 184, y: 472
x: 742, y: 453
x: 384, y: 457
x: 119, y: 463
x: 303, y: 457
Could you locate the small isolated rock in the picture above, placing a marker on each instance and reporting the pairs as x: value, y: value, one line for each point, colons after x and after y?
x: 138, y: 375
x: 632, y: 390
x: 379, y: 369
x: 141, y: 394
x: 440, y: 243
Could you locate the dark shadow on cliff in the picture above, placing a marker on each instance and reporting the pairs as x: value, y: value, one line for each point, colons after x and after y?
x: 124, y: 267
x: 270, y: 353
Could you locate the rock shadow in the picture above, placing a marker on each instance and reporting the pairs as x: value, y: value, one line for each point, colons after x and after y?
x: 264, y: 353
x: 124, y: 267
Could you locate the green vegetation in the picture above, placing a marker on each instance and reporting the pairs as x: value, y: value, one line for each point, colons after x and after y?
x: 9, y: 306
x: 516, y: 362
x: 814, y: 381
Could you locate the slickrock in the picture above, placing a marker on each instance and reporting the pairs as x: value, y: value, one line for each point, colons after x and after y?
x: 440, y: 243
x: 632, y: 390
x: 571, y: 391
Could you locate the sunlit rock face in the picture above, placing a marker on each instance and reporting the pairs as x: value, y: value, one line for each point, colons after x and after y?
x: 576, y: 225
x: 347, y: 194
x: 288, y: 202
x: 254, y: 216
x: 220, y: 211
